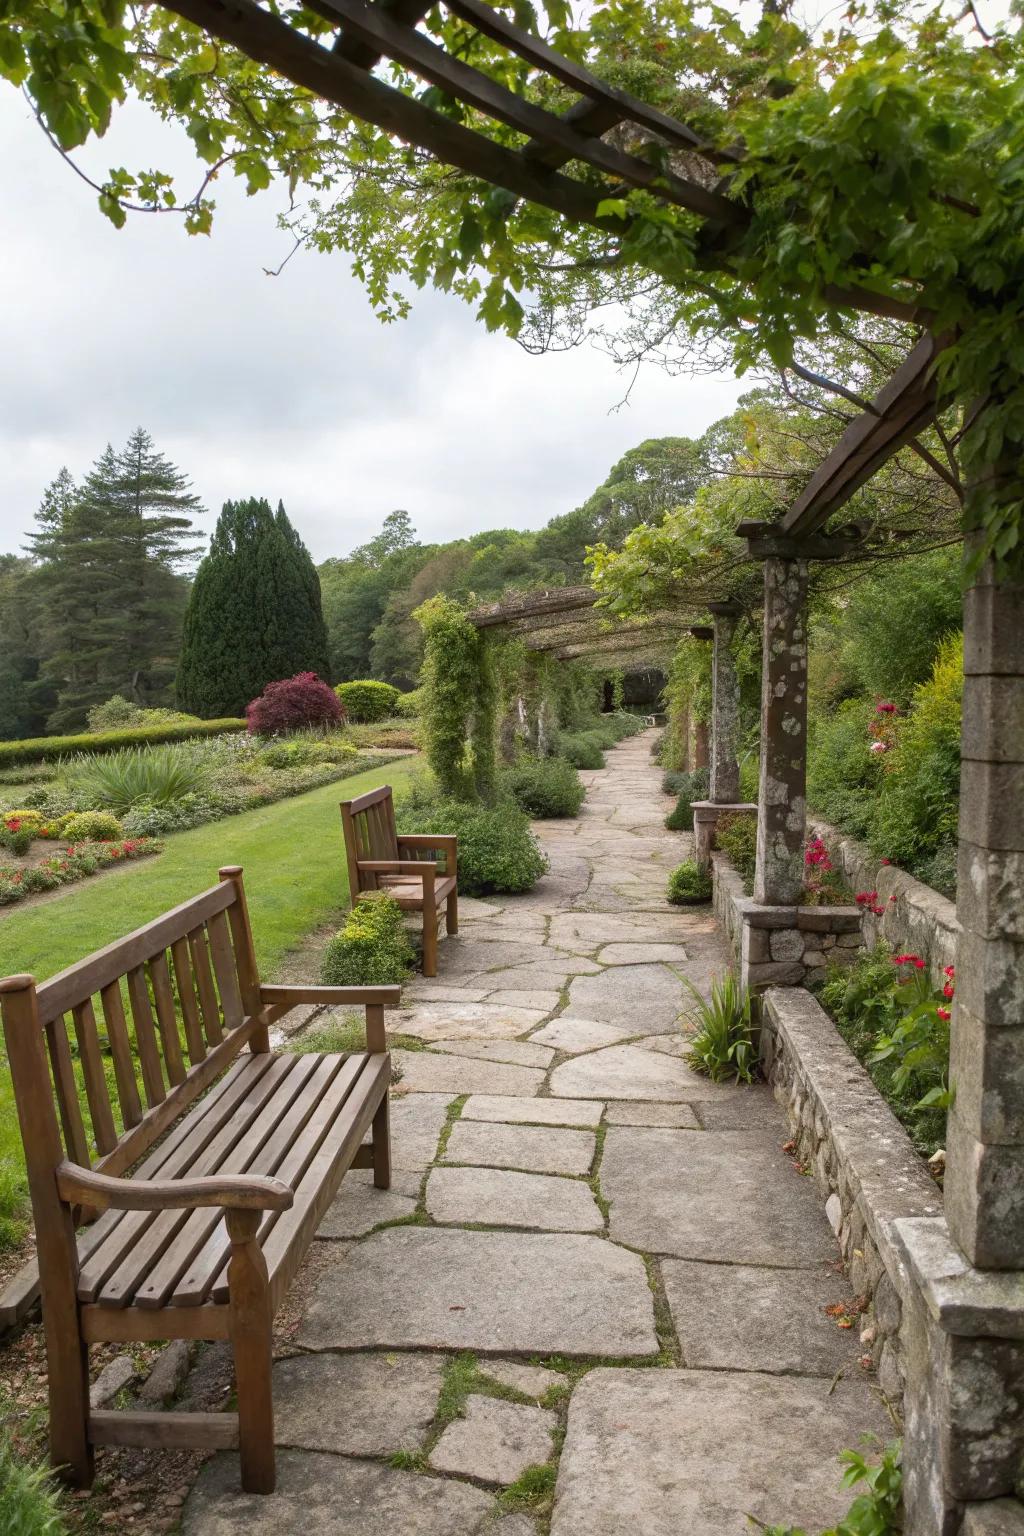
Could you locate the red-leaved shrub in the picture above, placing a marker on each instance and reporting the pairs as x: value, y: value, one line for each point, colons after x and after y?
x: 293, y: 703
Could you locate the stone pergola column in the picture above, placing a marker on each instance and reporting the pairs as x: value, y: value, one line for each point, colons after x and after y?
x: 963, y: 1320
x: 724, y: 789
x: 725, y: 707
x: 782, y: 792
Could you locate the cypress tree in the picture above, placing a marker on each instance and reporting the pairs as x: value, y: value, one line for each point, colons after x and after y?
x: 254, y: 616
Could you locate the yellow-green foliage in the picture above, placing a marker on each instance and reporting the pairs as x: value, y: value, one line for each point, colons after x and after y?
x: 372, y: 949
x: 92, y: 827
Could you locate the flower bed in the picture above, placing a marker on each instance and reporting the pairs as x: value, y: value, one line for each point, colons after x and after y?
x: 206, y: 781
x: 897, y: 1025
x: 31, y: 877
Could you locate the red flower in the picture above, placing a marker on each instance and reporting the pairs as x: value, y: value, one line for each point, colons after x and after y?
x: 944, y: 1014
x: 914, y: 960
x: 948, y: 990
x: 949, y: 970
x: 892, y: 900
x: 886, y: 709
x: 885, y: 861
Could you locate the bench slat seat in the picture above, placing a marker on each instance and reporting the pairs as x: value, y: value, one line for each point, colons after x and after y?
x: 176, y: 1195
x: 406, y: 866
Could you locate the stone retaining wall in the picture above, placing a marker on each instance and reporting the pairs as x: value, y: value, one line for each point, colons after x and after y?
x: 862, y: 1160
x: 781, y: 946
x: 919, y: 920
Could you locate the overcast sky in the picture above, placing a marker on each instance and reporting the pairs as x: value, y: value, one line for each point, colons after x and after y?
x: 285, y: 387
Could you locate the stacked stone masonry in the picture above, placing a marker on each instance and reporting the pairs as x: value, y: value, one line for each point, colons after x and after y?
x: 780, y: 946
x: 861, y: 1159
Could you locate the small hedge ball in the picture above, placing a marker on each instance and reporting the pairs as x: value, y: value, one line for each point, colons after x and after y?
x: 545, y: 788
x: 367, y: 700
x: 372, y: 949
x: 92, y: 827
x: 688, y: 885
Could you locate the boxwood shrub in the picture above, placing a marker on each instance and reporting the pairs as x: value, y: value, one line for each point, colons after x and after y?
x: 372, y: 949
x: 497, y: 851
x: 736, y: 836
x: 38, y: 749
x: 367, y: 700
x: 545, y: 787
x: 691, y: 786
x: 688, y: 884
x: 583, y: 749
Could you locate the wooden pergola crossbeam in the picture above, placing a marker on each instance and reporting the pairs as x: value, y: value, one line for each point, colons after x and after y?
x: 607, y: 639
x: 529, y: 605
x: 904, y: 407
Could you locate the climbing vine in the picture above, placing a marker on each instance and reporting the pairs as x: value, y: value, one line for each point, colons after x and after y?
x: 459, y: 700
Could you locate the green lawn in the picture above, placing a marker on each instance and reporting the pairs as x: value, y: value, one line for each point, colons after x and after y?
x: 295, y: 880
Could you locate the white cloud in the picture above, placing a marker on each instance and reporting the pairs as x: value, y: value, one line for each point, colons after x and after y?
x: 285, y: 387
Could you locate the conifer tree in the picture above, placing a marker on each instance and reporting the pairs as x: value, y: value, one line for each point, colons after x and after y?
x: 254, y: 616
x: 109, y: 578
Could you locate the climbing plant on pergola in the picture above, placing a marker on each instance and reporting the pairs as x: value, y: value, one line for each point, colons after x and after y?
x: 879, y: 172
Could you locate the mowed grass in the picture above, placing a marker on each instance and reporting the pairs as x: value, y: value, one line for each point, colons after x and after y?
x: 295, y: 880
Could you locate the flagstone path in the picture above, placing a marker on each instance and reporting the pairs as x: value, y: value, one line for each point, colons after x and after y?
x: 608, y: 1263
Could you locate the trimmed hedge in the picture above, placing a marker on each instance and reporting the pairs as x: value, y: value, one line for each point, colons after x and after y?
x: 689, y: 885
x: 42, y: 749
x: 544, y: 787
x: 372, y: 949
x: 367, y: 700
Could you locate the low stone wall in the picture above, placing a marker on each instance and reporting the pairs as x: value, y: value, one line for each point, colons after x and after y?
x: 862, y: 1160
x: 919, y: 920
x: 781, y: 946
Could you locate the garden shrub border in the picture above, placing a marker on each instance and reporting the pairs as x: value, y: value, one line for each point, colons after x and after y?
x: 42, y: 749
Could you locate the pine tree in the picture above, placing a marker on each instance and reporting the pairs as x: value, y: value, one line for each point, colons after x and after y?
x: 109, y: 578
x: 254, y: 616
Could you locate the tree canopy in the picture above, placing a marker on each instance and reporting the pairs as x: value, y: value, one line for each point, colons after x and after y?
x: 872, y: 164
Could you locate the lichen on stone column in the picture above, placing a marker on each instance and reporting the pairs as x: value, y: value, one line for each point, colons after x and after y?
x: 782, y: 802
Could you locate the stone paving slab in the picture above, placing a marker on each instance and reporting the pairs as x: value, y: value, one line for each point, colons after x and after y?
x: 692, y: 1453
x: 549, y: 971
x: 533, y: 1148
x: 576, y: 1112
x: 421, y: 989
x: 435, y: 1073
x: 629, y: 1072
x: 737, y: 1317
x: 495, y: 1441
x: 358, y: 1207
x: 497, y: 1197
x: 531, y: 1380
x: 356, y: 1405
x: 520, y: 1053
x: 502, y: 1292
x: 680, y: 1116
x: 528, y: 997
x: 320, y: 1495
x: 644, y: 999
x: 572, y: 1035
x: 725, y: 1196
x: 587, y: 931
x: 752, y: 1108
x: 465, y: 1021
x: 642, y: 954
x: 416, y: 1123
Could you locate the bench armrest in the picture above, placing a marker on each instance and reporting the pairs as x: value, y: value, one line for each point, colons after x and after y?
x: 445, y: 842
x: 233, y: 1192
x: 387, y: 997
x: 397, y: 866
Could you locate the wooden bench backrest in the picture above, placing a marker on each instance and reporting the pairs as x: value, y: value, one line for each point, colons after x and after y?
x: 191, y: 987
x: 369, y: 826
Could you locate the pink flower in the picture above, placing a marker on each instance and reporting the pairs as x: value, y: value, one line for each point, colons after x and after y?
x: 885, y: 861
x: 879, y: 746
x: 886, y: 709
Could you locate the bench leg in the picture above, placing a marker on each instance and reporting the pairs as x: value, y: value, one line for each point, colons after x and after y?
x: 429, y: 940
x: 67, y: 1360
x: 250, y: 1327
x: 381, y: 1137
x: 451, y: 913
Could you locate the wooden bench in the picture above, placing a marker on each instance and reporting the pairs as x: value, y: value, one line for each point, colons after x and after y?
x: 406, y: 867
x: 234, y: 1157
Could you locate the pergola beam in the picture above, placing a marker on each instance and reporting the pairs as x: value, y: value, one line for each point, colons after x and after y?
x: 527, y: 605
x: 902, y: 409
